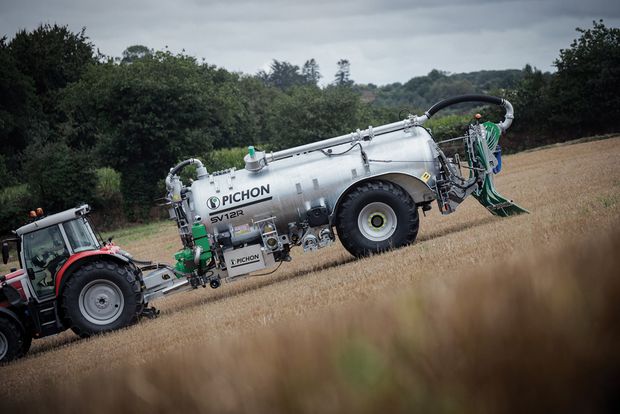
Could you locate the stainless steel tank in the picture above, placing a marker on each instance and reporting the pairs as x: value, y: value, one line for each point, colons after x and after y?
x: 290, y: 185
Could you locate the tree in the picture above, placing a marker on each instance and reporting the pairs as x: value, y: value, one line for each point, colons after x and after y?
x: 307, y: 114
x: 6, y: 178
x: 135, y: 52
x: 144, y: 118
x: 282, y: 75
x: 531, y: 101
x: 58, y: 177
x: 311, y: 73
x: 343, y: 75
x: 584, y: 92
x: 52, y: 56
x: 19, y: 107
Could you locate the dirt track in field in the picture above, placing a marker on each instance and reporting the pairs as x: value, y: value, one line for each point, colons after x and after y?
x: 572, y: 192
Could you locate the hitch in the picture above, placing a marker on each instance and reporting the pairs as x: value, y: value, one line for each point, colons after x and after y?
x: 150, y: 312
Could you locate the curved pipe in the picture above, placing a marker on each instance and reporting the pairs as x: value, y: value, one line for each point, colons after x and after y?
x: 504, y: 125
x: 201, y: 170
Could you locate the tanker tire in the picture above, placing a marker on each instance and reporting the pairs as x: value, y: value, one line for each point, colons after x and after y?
x: 13, y: 342
x: 370, y: 196
x: 114, y: 285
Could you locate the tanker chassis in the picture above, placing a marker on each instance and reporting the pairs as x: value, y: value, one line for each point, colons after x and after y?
x: 366, y: 187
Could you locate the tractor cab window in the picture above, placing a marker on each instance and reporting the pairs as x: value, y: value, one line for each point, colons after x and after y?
x: 80, y: 235
x: 44, y: 252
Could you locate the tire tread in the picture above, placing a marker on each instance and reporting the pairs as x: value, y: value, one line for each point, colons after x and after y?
x: 122, y: 271
x: 346, y: 221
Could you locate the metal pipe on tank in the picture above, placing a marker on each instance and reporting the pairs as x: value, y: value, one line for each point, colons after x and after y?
x: 358, y: 135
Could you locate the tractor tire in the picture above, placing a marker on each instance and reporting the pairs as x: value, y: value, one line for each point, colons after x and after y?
x: 14, y: 343
x: 376, y: 216
x: 101, y: 296
x: 25, y: 345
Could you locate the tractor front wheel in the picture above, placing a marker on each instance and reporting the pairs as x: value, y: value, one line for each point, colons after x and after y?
x: 101, y: 296
x: 14, y: 343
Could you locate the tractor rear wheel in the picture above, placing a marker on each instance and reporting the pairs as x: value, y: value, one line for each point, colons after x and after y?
x: 377, y: 216
x: 14, y: 343
x: 101, y: 296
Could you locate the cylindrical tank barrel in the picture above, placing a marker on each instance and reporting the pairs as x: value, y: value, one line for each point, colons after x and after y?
x: 287, y: 187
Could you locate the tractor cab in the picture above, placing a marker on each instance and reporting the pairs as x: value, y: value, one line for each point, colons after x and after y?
x: 45, y: 245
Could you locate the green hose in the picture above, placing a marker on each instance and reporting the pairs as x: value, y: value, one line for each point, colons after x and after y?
x: 488, y: 195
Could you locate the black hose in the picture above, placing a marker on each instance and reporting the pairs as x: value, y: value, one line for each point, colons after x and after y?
x: 180, y: 166
x: 462, y: 98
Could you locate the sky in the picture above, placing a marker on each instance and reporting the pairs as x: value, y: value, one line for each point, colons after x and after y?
x: 385, y: 41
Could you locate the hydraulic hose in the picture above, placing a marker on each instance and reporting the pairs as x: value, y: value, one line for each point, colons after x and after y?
x: 201, y: 170
x: 504, y: 125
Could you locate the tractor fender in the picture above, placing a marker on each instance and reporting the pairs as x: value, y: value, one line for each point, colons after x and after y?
x: 9, y: 314
x: 79, y: 259
x: 419, y: 191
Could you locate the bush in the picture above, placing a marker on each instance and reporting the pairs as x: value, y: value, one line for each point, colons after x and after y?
x: 59, y: 178
x: 225, y: 158
x: 15, y: 202
x: 108, y: 199
x: 108, y: 187
x: 449, y: 126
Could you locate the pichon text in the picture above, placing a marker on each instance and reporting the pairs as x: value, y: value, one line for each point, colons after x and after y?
x: 245, y: 194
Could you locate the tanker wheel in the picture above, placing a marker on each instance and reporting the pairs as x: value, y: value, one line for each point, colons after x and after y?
x: 377, y: 216
x: 101, y: 296
x: 13, y: 342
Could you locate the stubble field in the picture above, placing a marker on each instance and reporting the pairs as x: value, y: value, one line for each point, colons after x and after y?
x: 399, y: 331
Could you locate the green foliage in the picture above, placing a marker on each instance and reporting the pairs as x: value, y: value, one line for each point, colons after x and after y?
x: 108, y: 187
x: 532, y: 108
x: 58, y: 177
x: 6, y: 178
x: 52, y: 56
x: 343, y: 74
x: 224, y: 158
x: 420, y: 92
x: 449, y: 126
x: 144, y: 117
x: 135, y: 52
x: 308, y: 114
x: 15, y: 202
x: 283, y: 75
x: 311, y: 72
x: 584, y: 92
x: 108, y: 199
x: 19, y: 106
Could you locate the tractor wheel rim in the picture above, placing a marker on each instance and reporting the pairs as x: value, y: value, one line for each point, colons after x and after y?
x: 377, y: 221
x: 101, y: 302
x: 4, y: 345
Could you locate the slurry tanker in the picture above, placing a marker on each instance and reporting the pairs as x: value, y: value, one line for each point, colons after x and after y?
x: 365, y: 188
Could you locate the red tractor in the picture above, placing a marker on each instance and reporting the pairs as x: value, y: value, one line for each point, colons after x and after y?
x: 69, y: 278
